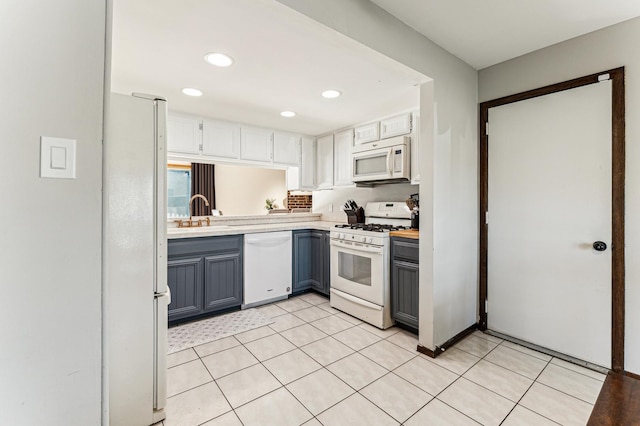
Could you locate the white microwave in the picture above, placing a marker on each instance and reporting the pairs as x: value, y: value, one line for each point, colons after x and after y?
x: 387, y: 161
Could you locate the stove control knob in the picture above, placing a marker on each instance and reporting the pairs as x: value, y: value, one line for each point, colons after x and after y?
x: 364, y: 239
x: 370, y: 240
x: 341, y: 236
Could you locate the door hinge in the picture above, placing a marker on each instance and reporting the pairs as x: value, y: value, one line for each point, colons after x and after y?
x: 604, y: 77
x: 201, y: 126
x: 486, y: 218
x: 201, y: 147
x: 486, y: 128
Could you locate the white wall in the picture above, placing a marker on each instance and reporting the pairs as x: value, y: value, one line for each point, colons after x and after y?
x: 242, y: 190
x: 605, y: 49
x: 50, y: 309
x: 448, y: 163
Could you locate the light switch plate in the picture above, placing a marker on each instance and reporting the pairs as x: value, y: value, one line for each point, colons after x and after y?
x: 57, y: 158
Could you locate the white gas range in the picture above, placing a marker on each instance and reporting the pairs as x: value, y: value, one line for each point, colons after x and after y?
x: 360, y: 276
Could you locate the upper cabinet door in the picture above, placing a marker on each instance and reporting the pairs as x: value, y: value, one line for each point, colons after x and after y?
x: 286, y: 148
x: 183, y: 135
x: 308, y: 163
x: 342, y: 163
x: 256, y: 144
x: 366, y: 133
x: 324, y: 162
x: 395, y: 126
x: 220, y: 139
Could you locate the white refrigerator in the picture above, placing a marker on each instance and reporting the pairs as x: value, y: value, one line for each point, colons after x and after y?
x: 135, y: 295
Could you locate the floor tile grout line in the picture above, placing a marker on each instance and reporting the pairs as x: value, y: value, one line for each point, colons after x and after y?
x: 525, y: 392
x: 432, y: 360
x: 577, y: 372
x: 513, y: 371
x: 527, y: 353
x: 383, y: 410
x: 458, y: 378
x: 563, y: 392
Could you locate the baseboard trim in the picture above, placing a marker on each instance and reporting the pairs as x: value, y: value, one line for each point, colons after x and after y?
x: 449, y: 343
x: 426, y: 351
x: 632, y: 375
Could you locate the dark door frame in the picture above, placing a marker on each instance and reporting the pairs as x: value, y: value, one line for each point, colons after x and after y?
x: 617, y: 191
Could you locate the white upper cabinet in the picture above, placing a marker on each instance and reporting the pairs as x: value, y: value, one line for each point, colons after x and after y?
x: 342, y: 161
x: 220, y: 139
x: 183, y: 134
x: 415, y: 150
x: 366, y: 133
x: 256, y: 144
x: 395, y: 126
x: 286, y: 148
x: 324, y: 162
x: 308, y: 163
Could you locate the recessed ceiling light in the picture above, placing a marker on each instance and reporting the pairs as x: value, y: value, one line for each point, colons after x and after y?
x: 218, y: 59
x: 288, y: 114
x: 332, y: 93
x: 190, y: 91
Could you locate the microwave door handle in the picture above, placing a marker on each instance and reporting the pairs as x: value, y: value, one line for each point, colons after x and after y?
x: 390, y: 161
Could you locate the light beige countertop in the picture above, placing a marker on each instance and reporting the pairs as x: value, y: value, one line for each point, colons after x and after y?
x: 249, y: 226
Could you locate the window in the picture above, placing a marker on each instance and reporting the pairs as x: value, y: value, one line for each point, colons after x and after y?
x: 178, y: 190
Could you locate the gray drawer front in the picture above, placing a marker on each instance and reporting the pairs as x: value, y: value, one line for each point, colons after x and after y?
x: 188, y: 246
x: 405, y: 248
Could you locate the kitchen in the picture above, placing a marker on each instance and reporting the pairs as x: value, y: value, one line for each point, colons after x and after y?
x: 452, y: 223
x: 381, y: 109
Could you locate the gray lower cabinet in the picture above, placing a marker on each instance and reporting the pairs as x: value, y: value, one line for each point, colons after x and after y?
x: 204, y: 275
x: 404, y: 281
x: 311, y: 261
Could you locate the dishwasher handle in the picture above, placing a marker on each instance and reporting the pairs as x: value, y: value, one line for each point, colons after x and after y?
x: 266, y: 242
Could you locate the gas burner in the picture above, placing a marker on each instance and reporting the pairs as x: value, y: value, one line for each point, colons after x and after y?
x: 373, y: 227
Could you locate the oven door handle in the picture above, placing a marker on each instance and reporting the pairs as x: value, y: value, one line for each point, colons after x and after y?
x: 356, y: 300
x: 367, y: 249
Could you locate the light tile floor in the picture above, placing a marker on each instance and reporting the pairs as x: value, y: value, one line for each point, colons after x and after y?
x: 317, y: 366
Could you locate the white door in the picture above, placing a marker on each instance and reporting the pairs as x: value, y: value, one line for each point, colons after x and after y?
x: 549, y: 197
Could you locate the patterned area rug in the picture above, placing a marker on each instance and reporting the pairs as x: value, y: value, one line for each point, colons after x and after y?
x: 210, y: 329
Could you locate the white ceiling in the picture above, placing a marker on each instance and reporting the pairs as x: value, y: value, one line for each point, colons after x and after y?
x: 283, y: 61
x: 486, y: 32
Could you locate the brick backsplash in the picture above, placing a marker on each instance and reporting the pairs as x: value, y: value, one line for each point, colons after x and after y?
x: 299, y: 201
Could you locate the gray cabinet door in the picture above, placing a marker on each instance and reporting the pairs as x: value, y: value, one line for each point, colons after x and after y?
x: 404, y: 292
x: 307, y: 260
x: 404, y: 281
x: 185, y: 282
x: 222, y: 281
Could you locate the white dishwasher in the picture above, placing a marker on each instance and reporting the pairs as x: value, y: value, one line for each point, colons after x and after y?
x: 267, y: 267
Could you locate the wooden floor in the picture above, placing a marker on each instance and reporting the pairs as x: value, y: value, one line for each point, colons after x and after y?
x: 618, y: 403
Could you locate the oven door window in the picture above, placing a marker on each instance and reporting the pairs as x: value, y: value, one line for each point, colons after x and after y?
x: 354, y: 268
